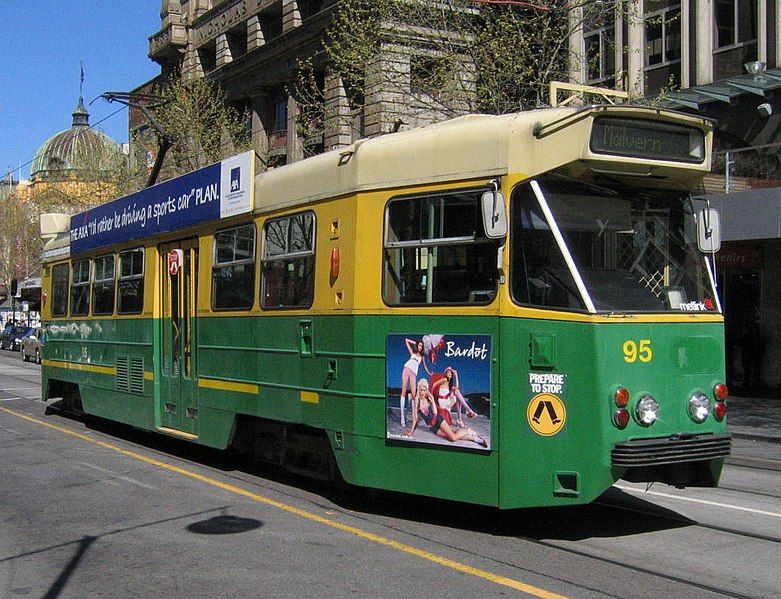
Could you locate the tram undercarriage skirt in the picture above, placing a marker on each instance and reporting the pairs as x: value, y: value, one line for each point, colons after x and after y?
x: 680, y: 460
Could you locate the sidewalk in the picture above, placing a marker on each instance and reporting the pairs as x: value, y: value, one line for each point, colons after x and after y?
x: 754, y: 418
x: 755, y: 425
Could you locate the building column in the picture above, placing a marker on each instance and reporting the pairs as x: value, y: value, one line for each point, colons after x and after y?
x: 191, y: 65
x: 778, y: 34
x: 577, y: 63
x: 387, y: 89
x: 621, y: 83
x: 255, y: 37
x: 685, y: 45
x: 291, y: 16
x: 337, y: 125
x: 762, y: 31
x: 704, y: 42
x: 224, y: 55
x: 259, y: 132
x: 635, y: 41
x: 295, y: 149
x: 170, y: 13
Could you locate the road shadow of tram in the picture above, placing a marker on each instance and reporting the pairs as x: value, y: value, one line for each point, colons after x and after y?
x: 614, y: 514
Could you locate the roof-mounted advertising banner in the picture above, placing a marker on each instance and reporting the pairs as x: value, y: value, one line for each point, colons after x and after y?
x: 217, y: 191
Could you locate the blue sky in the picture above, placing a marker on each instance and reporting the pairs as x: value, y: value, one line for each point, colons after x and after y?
x: 43, y: 42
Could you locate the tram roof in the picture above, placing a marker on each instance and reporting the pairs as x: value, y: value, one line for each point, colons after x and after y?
x: 463, y: 148
x: 466, y: 147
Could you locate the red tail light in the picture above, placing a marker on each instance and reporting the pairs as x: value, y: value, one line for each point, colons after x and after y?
x: 334, y: 264
x: 621, y: 417
x: 621, y: 397
x: 721, y: 392
x: 720, y: 410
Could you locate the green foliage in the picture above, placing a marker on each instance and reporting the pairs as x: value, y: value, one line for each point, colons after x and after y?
x: 204, y: 127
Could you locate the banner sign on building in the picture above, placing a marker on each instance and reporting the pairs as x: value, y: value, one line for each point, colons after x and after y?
x: 213, y: 192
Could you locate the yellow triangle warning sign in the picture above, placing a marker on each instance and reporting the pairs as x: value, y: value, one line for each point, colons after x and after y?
x: 546, y: 414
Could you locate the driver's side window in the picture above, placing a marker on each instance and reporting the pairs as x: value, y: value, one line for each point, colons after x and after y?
x: 540, y: 276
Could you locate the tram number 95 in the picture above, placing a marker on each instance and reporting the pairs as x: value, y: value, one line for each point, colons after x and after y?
x: 638, y: 351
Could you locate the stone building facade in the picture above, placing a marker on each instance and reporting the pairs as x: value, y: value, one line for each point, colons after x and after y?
x: 252, y: 49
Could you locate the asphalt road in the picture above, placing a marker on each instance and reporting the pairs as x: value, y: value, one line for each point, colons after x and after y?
x: 97, y: 510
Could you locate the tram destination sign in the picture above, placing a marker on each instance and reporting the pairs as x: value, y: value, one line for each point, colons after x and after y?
x: 213, y: 192
x: 647, y: 139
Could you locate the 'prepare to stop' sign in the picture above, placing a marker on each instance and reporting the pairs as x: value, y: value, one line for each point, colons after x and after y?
x: 175, y: 258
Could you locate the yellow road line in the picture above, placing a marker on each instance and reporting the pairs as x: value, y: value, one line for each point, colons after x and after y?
x: 369, y: 536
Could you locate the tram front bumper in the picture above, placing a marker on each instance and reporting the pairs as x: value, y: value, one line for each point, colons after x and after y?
x: 682, y: 460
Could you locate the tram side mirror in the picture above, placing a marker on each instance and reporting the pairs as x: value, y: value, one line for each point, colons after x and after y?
x: 494, y: 214
x: 708, y: 230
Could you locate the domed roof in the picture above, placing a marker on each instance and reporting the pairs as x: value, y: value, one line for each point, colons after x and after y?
x: 79, y: 148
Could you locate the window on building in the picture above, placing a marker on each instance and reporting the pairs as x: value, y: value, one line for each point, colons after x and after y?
x: 436, y: 251
x: 309, y: 8
x: 280, y: 113
x: 288, y: 278
x: 130, y: 298
x: 237, y: 41
x: 663, y: 36
x: 736, y: 22
x: 60, y: 276
x: 599, y: 47
x: 271, y: 22
x: 207, y: 56
x: 233, y: 271
x: 103, y: 285
x: 80, y: 288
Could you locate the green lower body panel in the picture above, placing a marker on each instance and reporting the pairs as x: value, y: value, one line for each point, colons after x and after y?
x: 533, y: 426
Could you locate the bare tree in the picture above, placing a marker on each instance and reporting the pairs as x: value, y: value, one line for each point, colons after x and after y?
x: 203, y: 127
x: 436, y: 59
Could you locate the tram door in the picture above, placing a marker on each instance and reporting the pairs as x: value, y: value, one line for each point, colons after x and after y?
x: 178, y: 330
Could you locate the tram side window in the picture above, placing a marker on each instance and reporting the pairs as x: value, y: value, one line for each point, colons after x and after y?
x: 80, y: 288
x: 436, y: 251
x: 130, y: 299
x: 233, y: 273
x: 103, y: 285
x: 288, y: 262
x: 60, y: 275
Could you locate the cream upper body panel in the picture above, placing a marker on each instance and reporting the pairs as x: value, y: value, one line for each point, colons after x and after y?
x: 468, y: 147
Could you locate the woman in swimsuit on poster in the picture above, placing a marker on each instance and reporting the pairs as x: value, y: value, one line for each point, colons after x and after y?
x: 409, y: 374
x: 425, y: 405
x: 448, y: 393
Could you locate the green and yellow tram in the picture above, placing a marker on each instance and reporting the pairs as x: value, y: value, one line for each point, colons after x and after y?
x: 510, y: 310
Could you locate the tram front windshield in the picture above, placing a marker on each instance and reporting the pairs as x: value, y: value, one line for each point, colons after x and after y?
x: 631, y: 250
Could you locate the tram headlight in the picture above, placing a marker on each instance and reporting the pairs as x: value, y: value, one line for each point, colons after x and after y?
x: 699, y: 406
x: 647, y: 410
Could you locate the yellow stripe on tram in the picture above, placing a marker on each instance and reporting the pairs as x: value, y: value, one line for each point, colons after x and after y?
x: 222, y: 385
x: 312, y: 517
x: 109, y: 370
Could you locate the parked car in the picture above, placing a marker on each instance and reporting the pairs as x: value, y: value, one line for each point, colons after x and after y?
x: 30, y: 346
x: 11, y: 337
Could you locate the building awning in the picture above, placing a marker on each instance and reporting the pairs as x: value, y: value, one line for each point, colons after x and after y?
x: 727, y: 90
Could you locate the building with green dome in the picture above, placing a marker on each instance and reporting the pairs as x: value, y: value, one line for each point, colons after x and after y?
x: 75, y: 153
